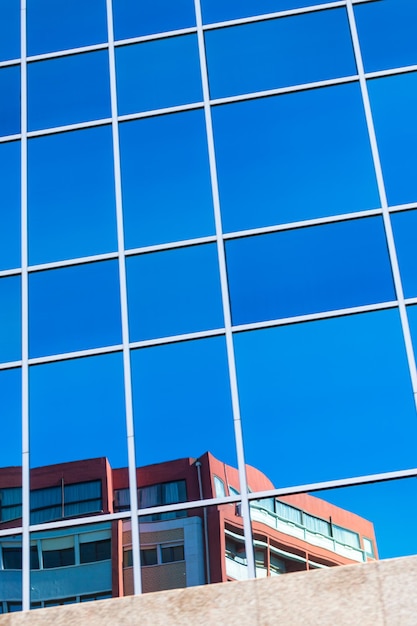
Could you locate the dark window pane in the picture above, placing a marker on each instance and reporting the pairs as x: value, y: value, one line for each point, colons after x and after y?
x: 71, y: 198
x: 10, y: 205
x: 88, y: 396
x: 220, y: 10
x: 404, y: 225
x: 34, y: 557
x: 184, y: 282
x: 74, y: 308
x: 65, y: 24
x: 10, y: 319
x: 12, y: 558
x: 331, y: 385
x: 172, y: 553
x: 148, y: 556
x: 308, y: 270
x: 184, y: 380
x: 68, y: 90
x: 276, y: 164
x: 172, y: 149
x: 394, y: 103
x: 387, y: 33
x: 268, y: 55
x: 9, y: 100
x: 58, y: 558
x: 95, y: 551
x: 10, y: 30
x: 158, y: 74
x: 134, y: 19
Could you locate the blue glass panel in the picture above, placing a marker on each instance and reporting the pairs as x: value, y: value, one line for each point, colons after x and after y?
x: 267, y: 55
x: 387, y: 33
x: 158, y: 74
x: 65, y: 24
x: 174, y: 292
x: 394, y: 104
x: 171, y: 149
x: 339, y: 390
x: 309, y: 270
x: 77, y: 411
x: 181, y: 400
x: 9, y: 205
x: 11, y: 420
x: 412, y: 317
x: 71, y: 197
x: 134, y: 19
x: 74, y: 308
x: 404, y: 225
x: 10, y: 319
x: 10, y: 100
x: 277, y: 164
x: 220, y: 10
x: 10, y: 30
x: 68, y: 90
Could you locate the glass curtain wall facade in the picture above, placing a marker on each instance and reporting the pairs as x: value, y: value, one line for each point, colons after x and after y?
x: 208, y: 217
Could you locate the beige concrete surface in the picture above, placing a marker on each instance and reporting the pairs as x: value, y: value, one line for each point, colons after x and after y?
x: 375, y: 594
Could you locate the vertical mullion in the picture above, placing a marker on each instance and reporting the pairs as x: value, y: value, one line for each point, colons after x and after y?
x: 124, y: 311
x: 384, y: 202
x: 225, y: 298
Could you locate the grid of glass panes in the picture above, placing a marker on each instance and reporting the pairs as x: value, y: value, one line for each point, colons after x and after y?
x: 207, y: 218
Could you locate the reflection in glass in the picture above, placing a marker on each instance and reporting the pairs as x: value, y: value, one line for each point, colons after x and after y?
x: 174, y: 292
x: 175, y: 385
x: 388, y: 506
x: 66, y: 24
x: 167, y: 73
x: 303, y: 532
x: 10, y: 100
x: 77, y: 412
x: 10, y: 31
x: 327, y: 387
x: 276, y: 164
x: 10, y: 205
x: 387, y: 34
x: 68, y: 90
x: 218, y: 10
x: 404, y: 225
x: 11, y: 423
x: 172, y: 148
x: 71, y: 565
x: 134, y: 19
x: 10, y: 319
x: 394, y: 102
x: 71, y: 198
x: 10, y: 574
x: 74, y: 308
x: 295, y: 272
x: 267, y: 54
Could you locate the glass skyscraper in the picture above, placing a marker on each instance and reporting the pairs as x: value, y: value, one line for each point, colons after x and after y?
x: 207, y: 242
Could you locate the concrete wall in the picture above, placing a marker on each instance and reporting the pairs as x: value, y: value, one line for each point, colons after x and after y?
x: 374, y: 594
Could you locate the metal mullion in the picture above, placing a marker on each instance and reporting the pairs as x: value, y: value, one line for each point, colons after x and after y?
x: 124, y: 310
x: 225, y: 298
x: 384, y: 203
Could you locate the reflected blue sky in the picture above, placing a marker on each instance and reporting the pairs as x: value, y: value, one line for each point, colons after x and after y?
x: 9, y: 100
x: 134, y: 19
x: 10, y: 417
x: 218, y: 10
x: 10, y: 201
x: 10, y: 30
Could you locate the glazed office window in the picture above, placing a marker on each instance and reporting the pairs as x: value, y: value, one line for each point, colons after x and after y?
x: 312, y: 165
x: 71, y: 215
x: 65, y: 501
x: 94, y: 551
x: 53, y: 26
x: 9, y: 32
x: 173, y: 148
x: 148, y: 556
x: 12, y: 557
x: 128, y: 558
x: 188, y: 286
x: 11, y: 428
x: 68, y: 89
x: 167, y: 73
x: 170, y: 554
x: 316, y: 525
x: 74, y: 308
x: 277, y: 565
x: 219, y: 487
x: 10, y: 105
x: 404, y: 225
x: 135, y: 19
x: 219, y: 10
x: 287, y: 512
x: 368, y: 546
x: 58, y: 558
x: 345, y: 536
x: 348, y: 266
x: 387, y: 35
x: 394, y: 101
x: 10, y: 318
x: 267, y: 54
x: 162, y: 493
x: 10, y: 504
x: 10, y: 203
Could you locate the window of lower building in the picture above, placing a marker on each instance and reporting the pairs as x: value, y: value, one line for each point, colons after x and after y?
x: 368, y: 546
x: 95, y: 551
x: 219, y: 487
x: 149, y: 556
x: 170, y: 554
